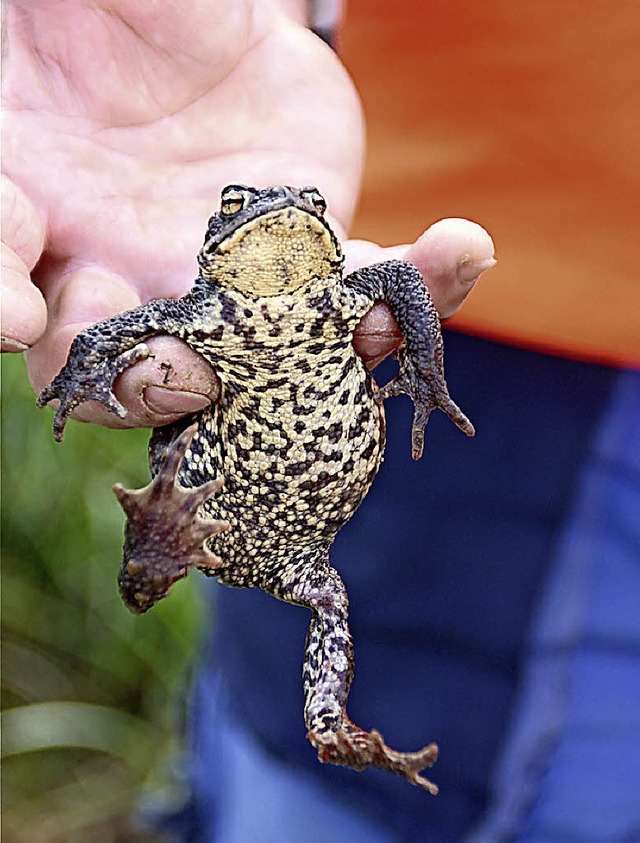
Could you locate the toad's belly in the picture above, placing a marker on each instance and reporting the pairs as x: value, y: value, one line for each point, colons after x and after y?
x: 296, y: 463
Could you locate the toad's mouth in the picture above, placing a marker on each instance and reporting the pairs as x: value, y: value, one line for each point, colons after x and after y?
x: 275, y: 253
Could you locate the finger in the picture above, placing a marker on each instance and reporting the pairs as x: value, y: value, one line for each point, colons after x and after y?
x: 23, y: 228
x: 24, y: 314
x: 174, y: 380
x: 377, y: 335
x: 451, y: 255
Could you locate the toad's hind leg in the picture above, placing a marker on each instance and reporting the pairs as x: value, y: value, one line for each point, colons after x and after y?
x: 165, y: 536
x: 328, y: 670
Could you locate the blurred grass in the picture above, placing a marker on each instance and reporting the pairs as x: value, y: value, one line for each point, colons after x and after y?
x: 88, y: 689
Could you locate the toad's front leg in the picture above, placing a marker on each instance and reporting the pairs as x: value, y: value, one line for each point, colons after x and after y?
x: 101, y: 352
x: 88, y: 377
x: 98, y: 355
x: 400, y: 285
x: 309, y: 580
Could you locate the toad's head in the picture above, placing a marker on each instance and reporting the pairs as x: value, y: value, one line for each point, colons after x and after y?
x: 270, y: 241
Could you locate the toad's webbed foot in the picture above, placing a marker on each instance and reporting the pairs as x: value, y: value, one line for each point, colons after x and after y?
x: 352, y: 747
x: 165, y: 537
x: 428, y: 391
x: 88, y: 378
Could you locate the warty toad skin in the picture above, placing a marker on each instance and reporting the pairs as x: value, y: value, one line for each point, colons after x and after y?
x: 254, y: 489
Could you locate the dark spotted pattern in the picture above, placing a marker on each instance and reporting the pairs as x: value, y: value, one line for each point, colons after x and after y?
x: 297, y: 436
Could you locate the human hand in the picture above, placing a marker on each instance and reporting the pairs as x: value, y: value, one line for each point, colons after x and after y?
x: 116, y: 144
x: 451, y: 255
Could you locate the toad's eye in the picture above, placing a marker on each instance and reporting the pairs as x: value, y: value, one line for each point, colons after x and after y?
x: 234, y: 198
x: 312, y: 195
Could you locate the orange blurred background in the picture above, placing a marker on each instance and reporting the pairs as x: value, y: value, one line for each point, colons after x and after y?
x: 526, y: 118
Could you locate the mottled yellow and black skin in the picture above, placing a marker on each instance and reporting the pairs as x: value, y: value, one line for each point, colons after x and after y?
x: 297, y: 436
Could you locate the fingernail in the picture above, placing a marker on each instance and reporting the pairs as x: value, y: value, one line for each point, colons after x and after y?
x: 469, y: 271
x: 168, y: 402
x: 9, y: 344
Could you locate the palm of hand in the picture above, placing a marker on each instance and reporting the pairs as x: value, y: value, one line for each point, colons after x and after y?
x: 124, y: 140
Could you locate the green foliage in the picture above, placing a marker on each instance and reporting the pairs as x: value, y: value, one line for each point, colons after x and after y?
x: 88, y: 689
